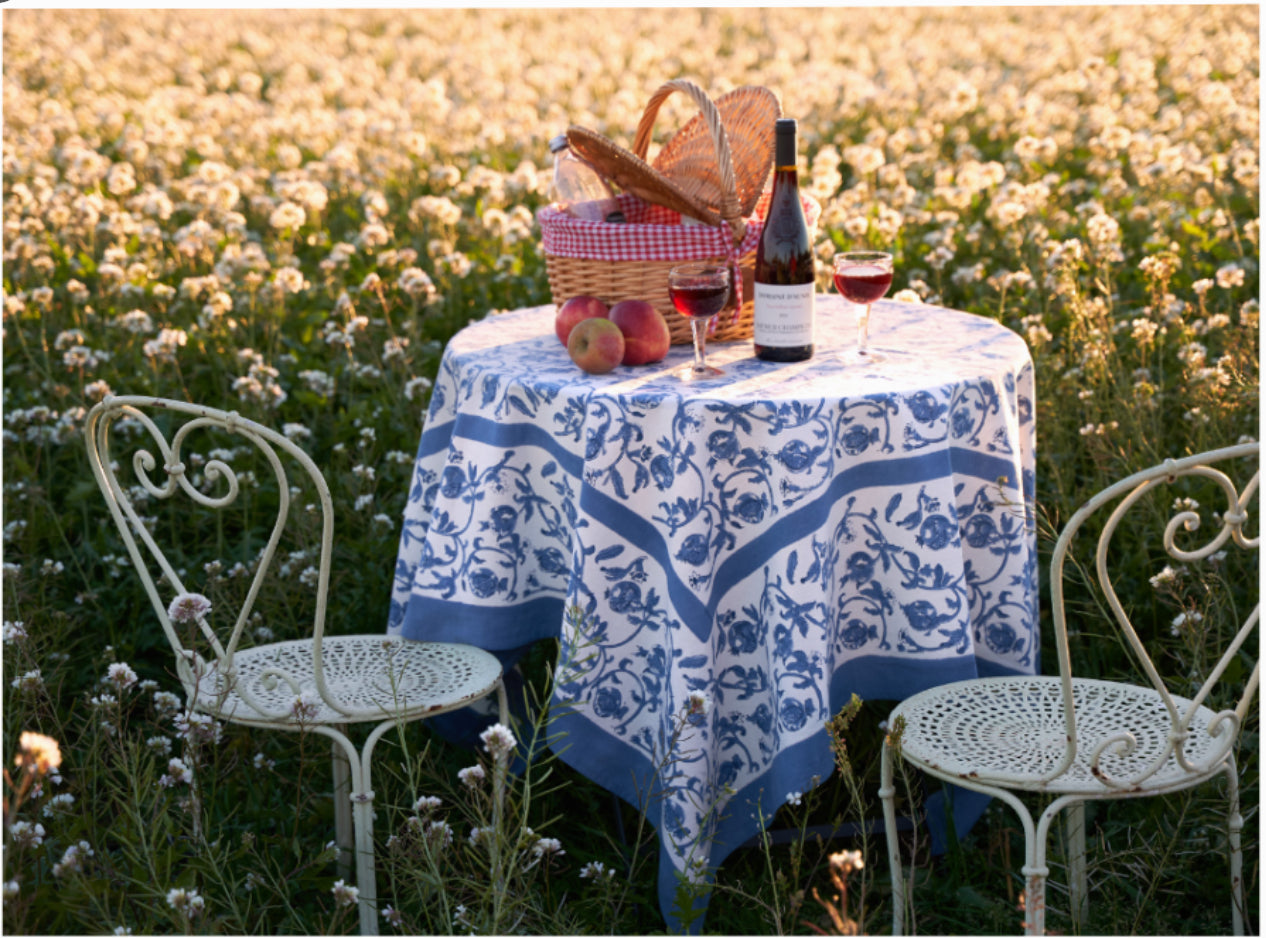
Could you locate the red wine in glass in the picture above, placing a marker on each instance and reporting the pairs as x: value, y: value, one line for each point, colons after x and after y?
x: 699, y: 292
x: 863, y: 277
x: 863, y: 283
x: 699, y: 300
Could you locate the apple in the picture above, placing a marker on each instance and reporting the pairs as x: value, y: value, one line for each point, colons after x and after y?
x: 575, y: 310
x: 646, y: 335
x: 596, y: 345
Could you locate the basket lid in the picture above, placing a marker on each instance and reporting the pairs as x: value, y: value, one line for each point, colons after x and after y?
x: 688, y: 159
x: 634, y: 175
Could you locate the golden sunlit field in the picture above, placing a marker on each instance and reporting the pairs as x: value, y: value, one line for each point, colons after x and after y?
x: 289, y: 213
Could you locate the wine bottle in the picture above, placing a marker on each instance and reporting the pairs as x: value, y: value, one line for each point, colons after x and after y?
x: 782, y: 313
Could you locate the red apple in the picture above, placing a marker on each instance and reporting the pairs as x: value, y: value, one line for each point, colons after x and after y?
x: 596, y: 345
x: 575, y: 310
x: 646, y: 335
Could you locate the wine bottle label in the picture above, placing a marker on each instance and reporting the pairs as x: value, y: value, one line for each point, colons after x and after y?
x: 782, y: 314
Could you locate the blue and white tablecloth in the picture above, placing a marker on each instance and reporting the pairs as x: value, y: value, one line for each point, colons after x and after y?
x: 745, y: 553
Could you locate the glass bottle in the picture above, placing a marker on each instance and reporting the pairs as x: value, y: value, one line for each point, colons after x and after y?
x: 783, y: 294
x: 578, y: 188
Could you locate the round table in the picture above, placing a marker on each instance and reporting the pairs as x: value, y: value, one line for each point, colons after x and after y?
x: 726, y: 562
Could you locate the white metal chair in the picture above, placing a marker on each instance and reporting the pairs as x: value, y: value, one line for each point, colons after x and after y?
x: 1077, y: 739
x: 321, y: 683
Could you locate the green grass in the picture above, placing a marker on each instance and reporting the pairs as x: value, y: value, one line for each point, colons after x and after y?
x: 1086, y: 176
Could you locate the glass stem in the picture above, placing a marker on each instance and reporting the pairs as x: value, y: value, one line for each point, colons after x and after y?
x: 698, y: 328
x: 863, y: 329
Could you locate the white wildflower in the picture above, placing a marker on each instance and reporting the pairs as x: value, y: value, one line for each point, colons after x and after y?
x: 58, y: 804
x: 498, y: 740
x: 698, y: 704
x: 287, y: 215
x: 548, y: 847
x: 159, y: 744
x: 1230, y: 275
x: 416, y: 387
x: 163, y: 348
x: 26, y: 834
x: 188, y: 608
x: 416, y: 283
x: 439, y: 834
x: 186, y: 901
x: 121, y: 675
x: 1184, y: 619
x: 72, y: 860
x: 290, y: 280
x: 427, y: 804
x: 305, y: 706
x: 165, y: 702
x: 29, y: 682
x: 392, y: 916
x: 178, y: 773
x: 344, y: 895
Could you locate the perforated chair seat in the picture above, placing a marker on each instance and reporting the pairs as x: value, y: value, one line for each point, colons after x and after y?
x: 372, y: 677
x: 1011, y: 731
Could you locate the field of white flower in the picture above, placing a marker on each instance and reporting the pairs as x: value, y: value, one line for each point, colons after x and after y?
x: 288, y: 213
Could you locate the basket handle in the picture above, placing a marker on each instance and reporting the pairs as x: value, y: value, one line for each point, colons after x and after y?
x: 720, y: 143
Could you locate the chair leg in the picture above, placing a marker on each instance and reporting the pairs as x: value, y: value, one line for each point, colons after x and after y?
x: 1035, y: 869
x: 366, y: 880
x: 363, y: 814
x: 342, y: 807
x: 1235, y: 823
x: 1034, y: 901
x: 887, y: 793
x: 1075, y: 839
x: 361, y: 799
x: 503, y: 703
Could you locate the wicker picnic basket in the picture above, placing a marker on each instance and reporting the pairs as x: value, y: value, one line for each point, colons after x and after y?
x: 714, y: 170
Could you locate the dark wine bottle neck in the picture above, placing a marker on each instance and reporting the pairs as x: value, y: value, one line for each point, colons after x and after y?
x: 784, y: 149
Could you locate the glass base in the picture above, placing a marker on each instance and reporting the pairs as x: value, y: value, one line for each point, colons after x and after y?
x: 691, y: 373
x: 870, y: 356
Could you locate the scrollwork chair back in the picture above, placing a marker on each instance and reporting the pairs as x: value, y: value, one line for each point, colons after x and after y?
x: 1180, y: 540
x: 1070, y: 739
x: 162, y: 463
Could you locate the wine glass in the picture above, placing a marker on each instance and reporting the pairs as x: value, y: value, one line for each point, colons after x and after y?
x: 699, y: 292
x: 863, y: 277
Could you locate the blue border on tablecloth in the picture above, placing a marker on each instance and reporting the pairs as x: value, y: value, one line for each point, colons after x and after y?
x: 618, y: 767
x: 494, y: 628
x: 789, y: 528
x: 501, y: 435
x: 480, y: 625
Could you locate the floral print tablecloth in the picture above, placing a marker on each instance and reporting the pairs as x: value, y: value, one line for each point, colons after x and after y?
x: 725, y: 563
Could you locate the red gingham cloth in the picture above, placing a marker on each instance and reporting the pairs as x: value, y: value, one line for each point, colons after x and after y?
x: 653, y: 233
